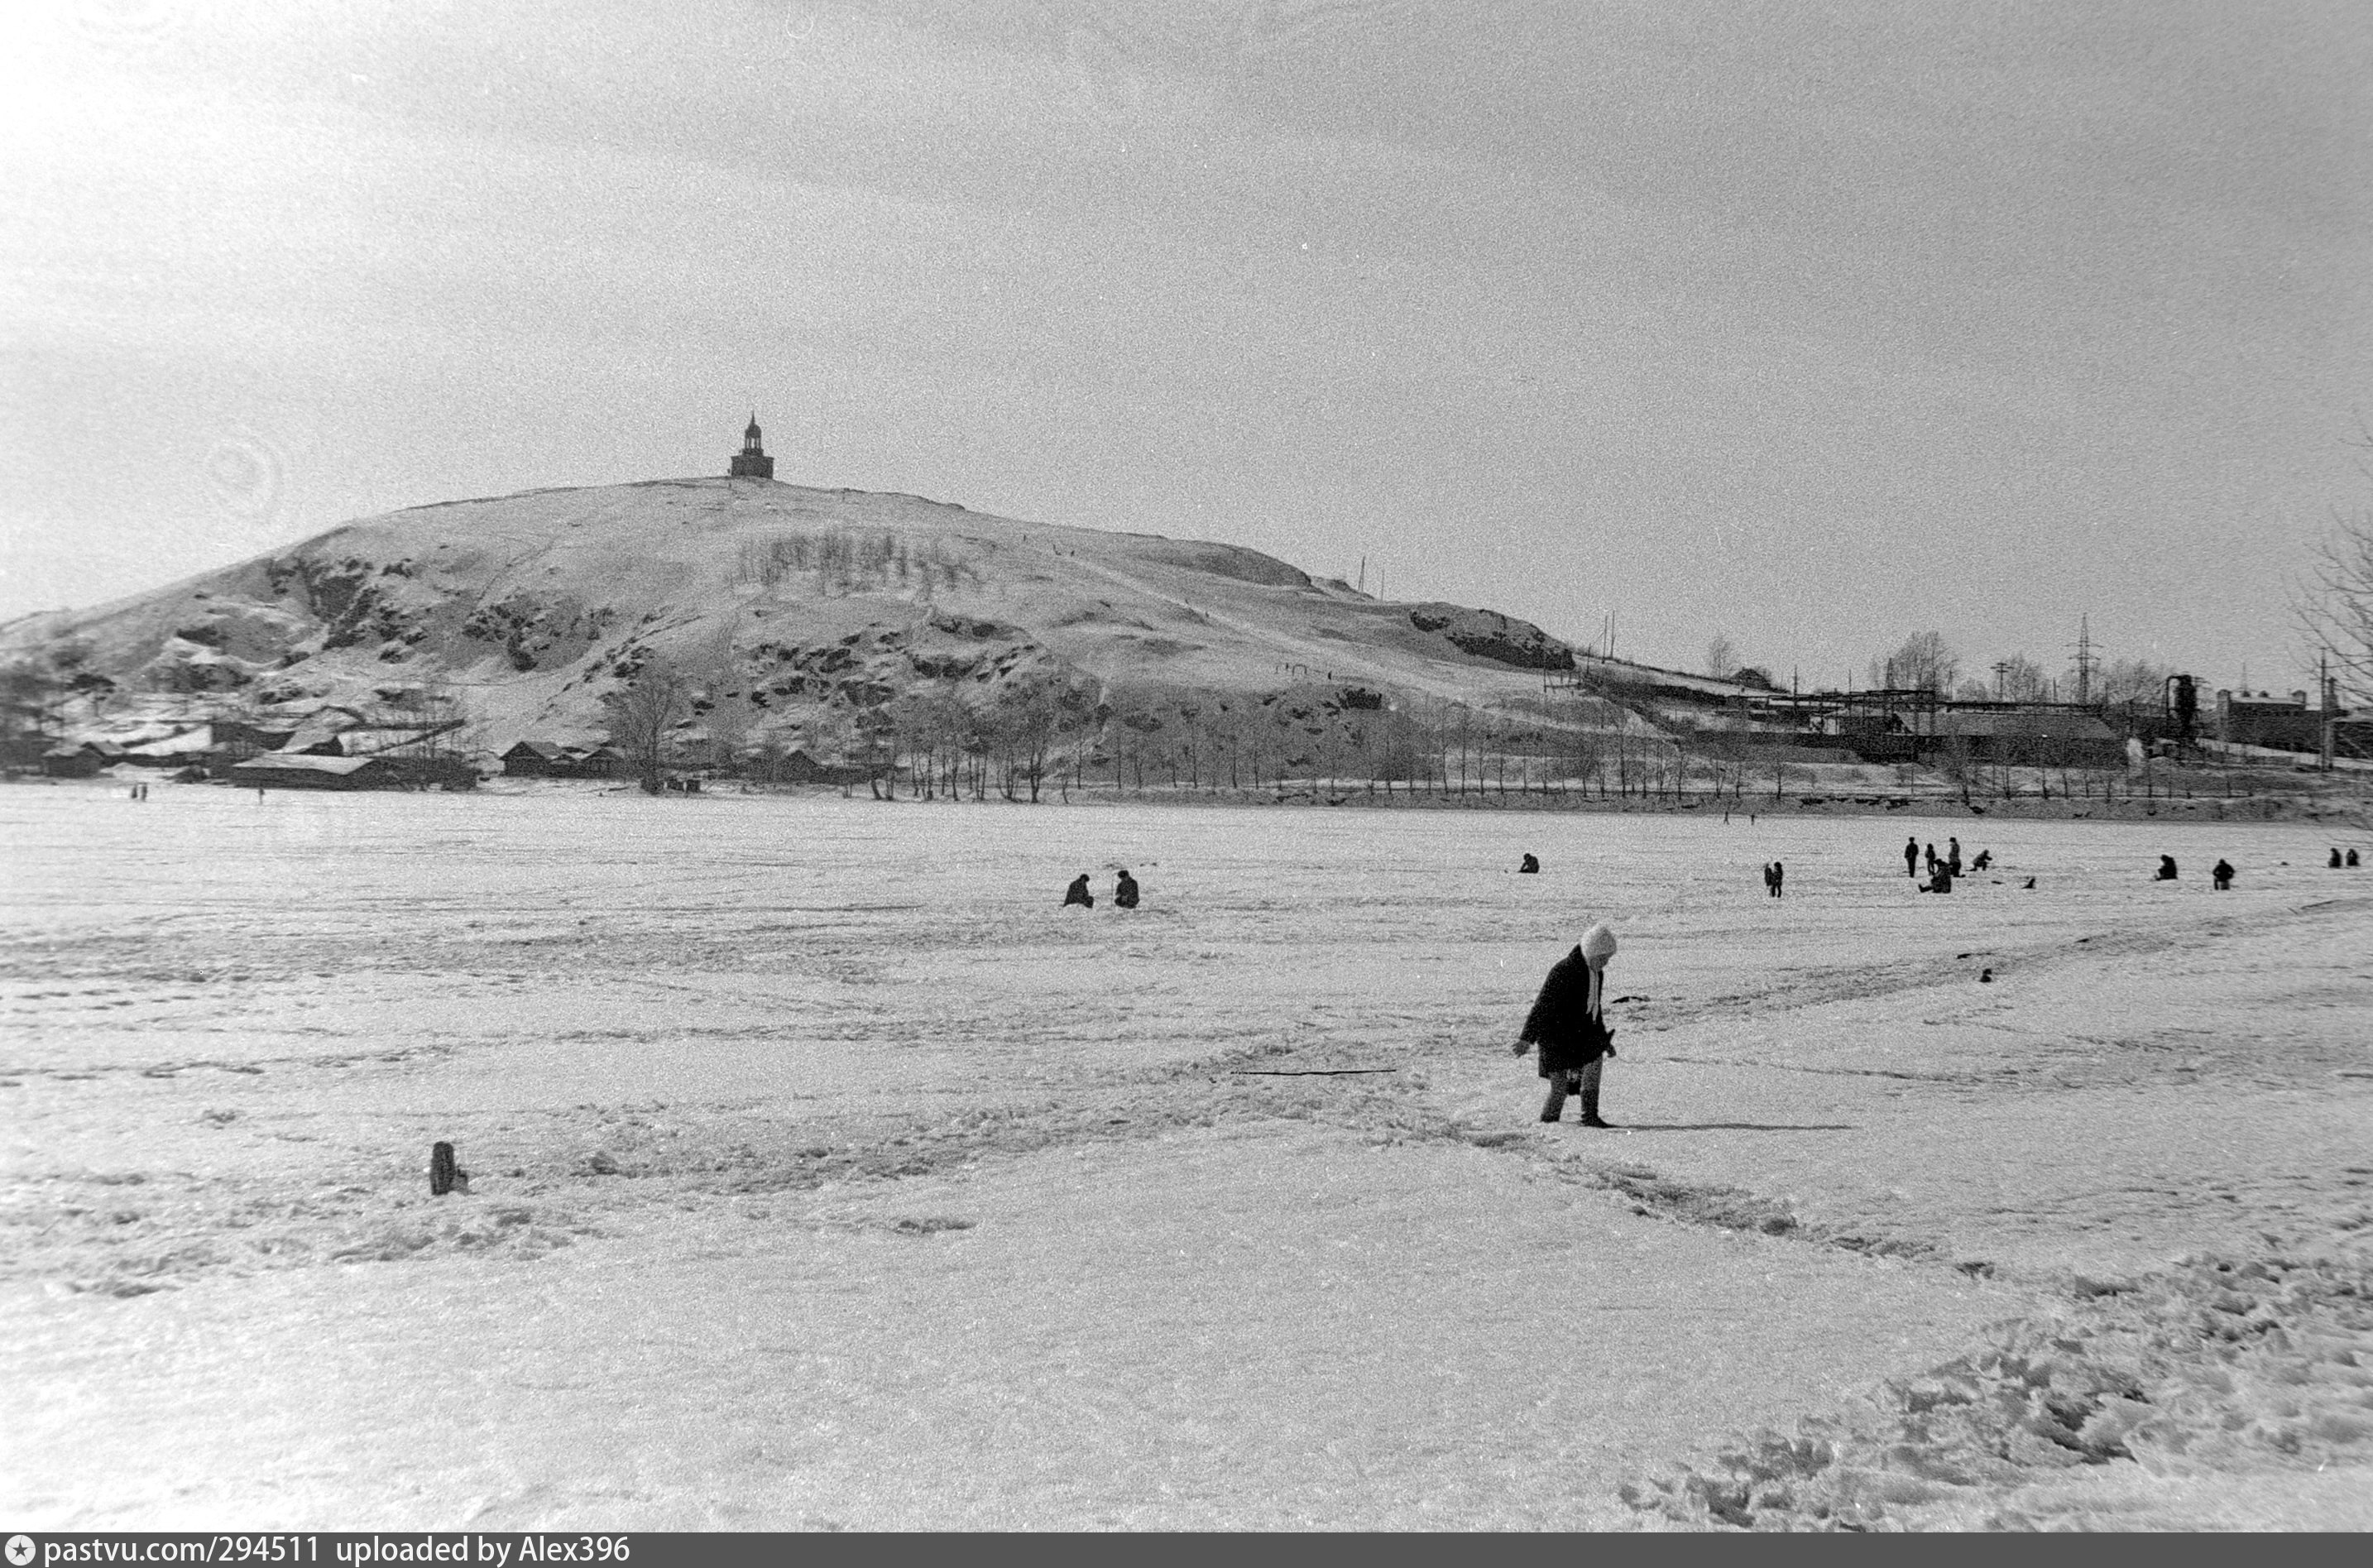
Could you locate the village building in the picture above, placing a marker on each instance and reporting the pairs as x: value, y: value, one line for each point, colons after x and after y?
x: 380, y: 771
x: 2261, y: 718
x: 798, y: 768
x: 550, y: 759
x: 2021, y: 737
x: 751, y: 461
x: 81, y: 759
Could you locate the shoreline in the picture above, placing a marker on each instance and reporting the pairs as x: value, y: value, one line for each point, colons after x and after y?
x: 2353, y: 813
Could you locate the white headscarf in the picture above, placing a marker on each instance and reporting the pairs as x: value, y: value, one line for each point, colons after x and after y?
x: 1598, y: 947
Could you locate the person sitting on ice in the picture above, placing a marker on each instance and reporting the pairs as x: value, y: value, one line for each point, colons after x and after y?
x: 1077, y: 892
x: 2221, y: 873
x: 1125, y: 890
x: 2166, y: 869
x: 1941, y: 883
x: 1568, y: 1023
x: 1985, y: 858
x: 2352, y: 859
x: 2334, y: 862
x: 1529, y: 866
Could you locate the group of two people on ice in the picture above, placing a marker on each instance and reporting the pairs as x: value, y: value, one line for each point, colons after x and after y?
x: 1124, y: 892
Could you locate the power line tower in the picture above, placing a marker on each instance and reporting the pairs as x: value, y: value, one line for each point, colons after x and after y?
x: 2087, y: 659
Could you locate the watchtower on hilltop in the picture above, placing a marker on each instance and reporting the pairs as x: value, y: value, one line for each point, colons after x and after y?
x: 751, y: 461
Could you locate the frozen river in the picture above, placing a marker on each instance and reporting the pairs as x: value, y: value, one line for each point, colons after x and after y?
x: 825, y: 1171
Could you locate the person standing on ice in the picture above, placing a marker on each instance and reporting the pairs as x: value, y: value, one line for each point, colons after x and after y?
x: 1912, y: 858
x: 1774, y: 875
x: 1077, y: 892
x: 2221, y: 873
x: 1953, y: 855
x: 1568, y: 1024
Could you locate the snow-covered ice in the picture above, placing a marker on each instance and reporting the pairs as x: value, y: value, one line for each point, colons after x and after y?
x: 826, y: 1171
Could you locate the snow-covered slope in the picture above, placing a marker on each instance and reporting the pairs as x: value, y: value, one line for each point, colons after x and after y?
x: 531, y: 606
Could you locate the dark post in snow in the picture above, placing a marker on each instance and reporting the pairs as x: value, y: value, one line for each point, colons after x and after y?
x: 440, y: 1170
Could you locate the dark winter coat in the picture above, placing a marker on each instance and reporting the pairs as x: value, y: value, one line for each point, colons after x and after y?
x: 1125, y: 892
x: 1077, y: 894
x: 1562, y: 1024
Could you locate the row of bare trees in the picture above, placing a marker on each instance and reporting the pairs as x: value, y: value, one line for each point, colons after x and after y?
x: 949, y: 739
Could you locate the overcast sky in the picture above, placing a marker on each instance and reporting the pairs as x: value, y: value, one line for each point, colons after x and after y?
x: 1816, y: 323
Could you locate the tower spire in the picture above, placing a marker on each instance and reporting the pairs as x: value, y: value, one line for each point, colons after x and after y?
x: 751, y: 461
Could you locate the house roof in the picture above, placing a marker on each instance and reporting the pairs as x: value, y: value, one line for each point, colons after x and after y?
x: 189, y: 743
x: 551, y: 751
x: 334, y: 764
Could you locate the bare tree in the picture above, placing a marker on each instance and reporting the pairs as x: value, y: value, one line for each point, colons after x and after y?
x: 1925, y: 662
x: 1721, y: 657
x: 2131, y: 683
x: 2334, y: 606
x: 2020, y: 679
x: 643, y: 715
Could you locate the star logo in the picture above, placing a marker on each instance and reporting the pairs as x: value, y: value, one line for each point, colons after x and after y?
x: 21, y: 1551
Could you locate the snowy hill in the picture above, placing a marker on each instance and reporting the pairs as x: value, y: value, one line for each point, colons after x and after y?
x: 791, y: 602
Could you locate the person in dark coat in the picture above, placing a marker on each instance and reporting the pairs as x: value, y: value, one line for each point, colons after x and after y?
x: 2334, y: 862
x: 2221, y: 873
x: 2352, y: 859
x: 1125, y: 890
x: 1529, y: 866
x: 2166, y: 869
x: 1077, y: 892
x: 1932, y: 862
x: 1953, y: 855
x: 1912, y: 858
x: 1985, y: 858
x: 1774, y: 875
x: 1568, y: 1023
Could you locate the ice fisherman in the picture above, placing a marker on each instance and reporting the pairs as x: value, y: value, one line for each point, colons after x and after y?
x: 2352, y: 859
x: 1912, y: 858
x: 1568, y: 1023
x: 2334, y: 862
x: 1985, y: 858
x: 1077, y: 892
x: 1125, y: 890
x: 2166, y: 869
x: 2221, y: 873
x: 1773, y: 875
x: 1530, y: 866
x: 1953, y: 855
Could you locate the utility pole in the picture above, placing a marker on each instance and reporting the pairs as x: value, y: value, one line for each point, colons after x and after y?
x: 2085, y: 659
x: 2327, y: 689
